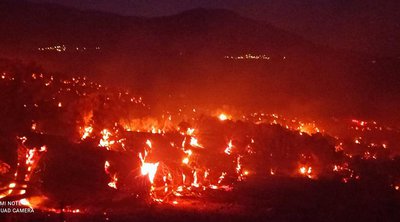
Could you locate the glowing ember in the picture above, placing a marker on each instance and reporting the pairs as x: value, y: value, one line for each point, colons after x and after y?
x: 189, y: 131
x: 148, y: 142
x: 194, y: 143
x: 185, y: 160
x: 114, y: 179
x: 105, y: 140
x: 228, y: 149
x: 306, y: 171
x: 222, y: 177
x: 149, y: 169
x: 113, y: 183
x: 33, y: 127
x: 25, y: 202
x: 195, y: 180
x: 86, y: 132
x: 223, y: 117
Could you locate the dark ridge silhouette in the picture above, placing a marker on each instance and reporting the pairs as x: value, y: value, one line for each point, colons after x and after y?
x: 183, y: 56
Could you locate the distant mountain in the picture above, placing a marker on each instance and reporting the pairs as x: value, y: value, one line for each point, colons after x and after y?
x: 219, y: 31
x: 201, y: 56
x: 369, y: 26
x: 29, y: 24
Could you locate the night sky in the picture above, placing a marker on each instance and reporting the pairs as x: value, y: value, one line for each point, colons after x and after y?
x: 369, y: 26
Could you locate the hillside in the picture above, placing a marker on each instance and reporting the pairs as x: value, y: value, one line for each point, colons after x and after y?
x: 207, y: 57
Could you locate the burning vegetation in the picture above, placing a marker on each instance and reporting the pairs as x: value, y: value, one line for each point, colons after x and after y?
x: 70, y: 145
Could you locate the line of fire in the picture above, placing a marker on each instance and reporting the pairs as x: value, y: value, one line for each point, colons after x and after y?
x: 78, y: 147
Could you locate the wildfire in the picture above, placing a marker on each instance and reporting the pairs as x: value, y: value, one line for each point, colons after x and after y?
x: 34, y: 126
x: 239, y: 169
x: 222, y: 177
x: 28, y: 159
x: 86, y: 132
x: 223, y: 117
x: 195, y: 180
x: 306, y: 171
x: 189, y: 131
x: 228, y: 149
x: 113, y: 183
x: 25, y: 202
x: 195, y: 143
x: 105, y: 140
x: 148, y: 143
x: 185, y: 160
x: 190, y: 173
x: 114, y: 179
x: 309, y: 128
x: 149, y: 169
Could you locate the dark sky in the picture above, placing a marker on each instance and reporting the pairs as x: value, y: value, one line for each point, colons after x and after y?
x: 370, y: 26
